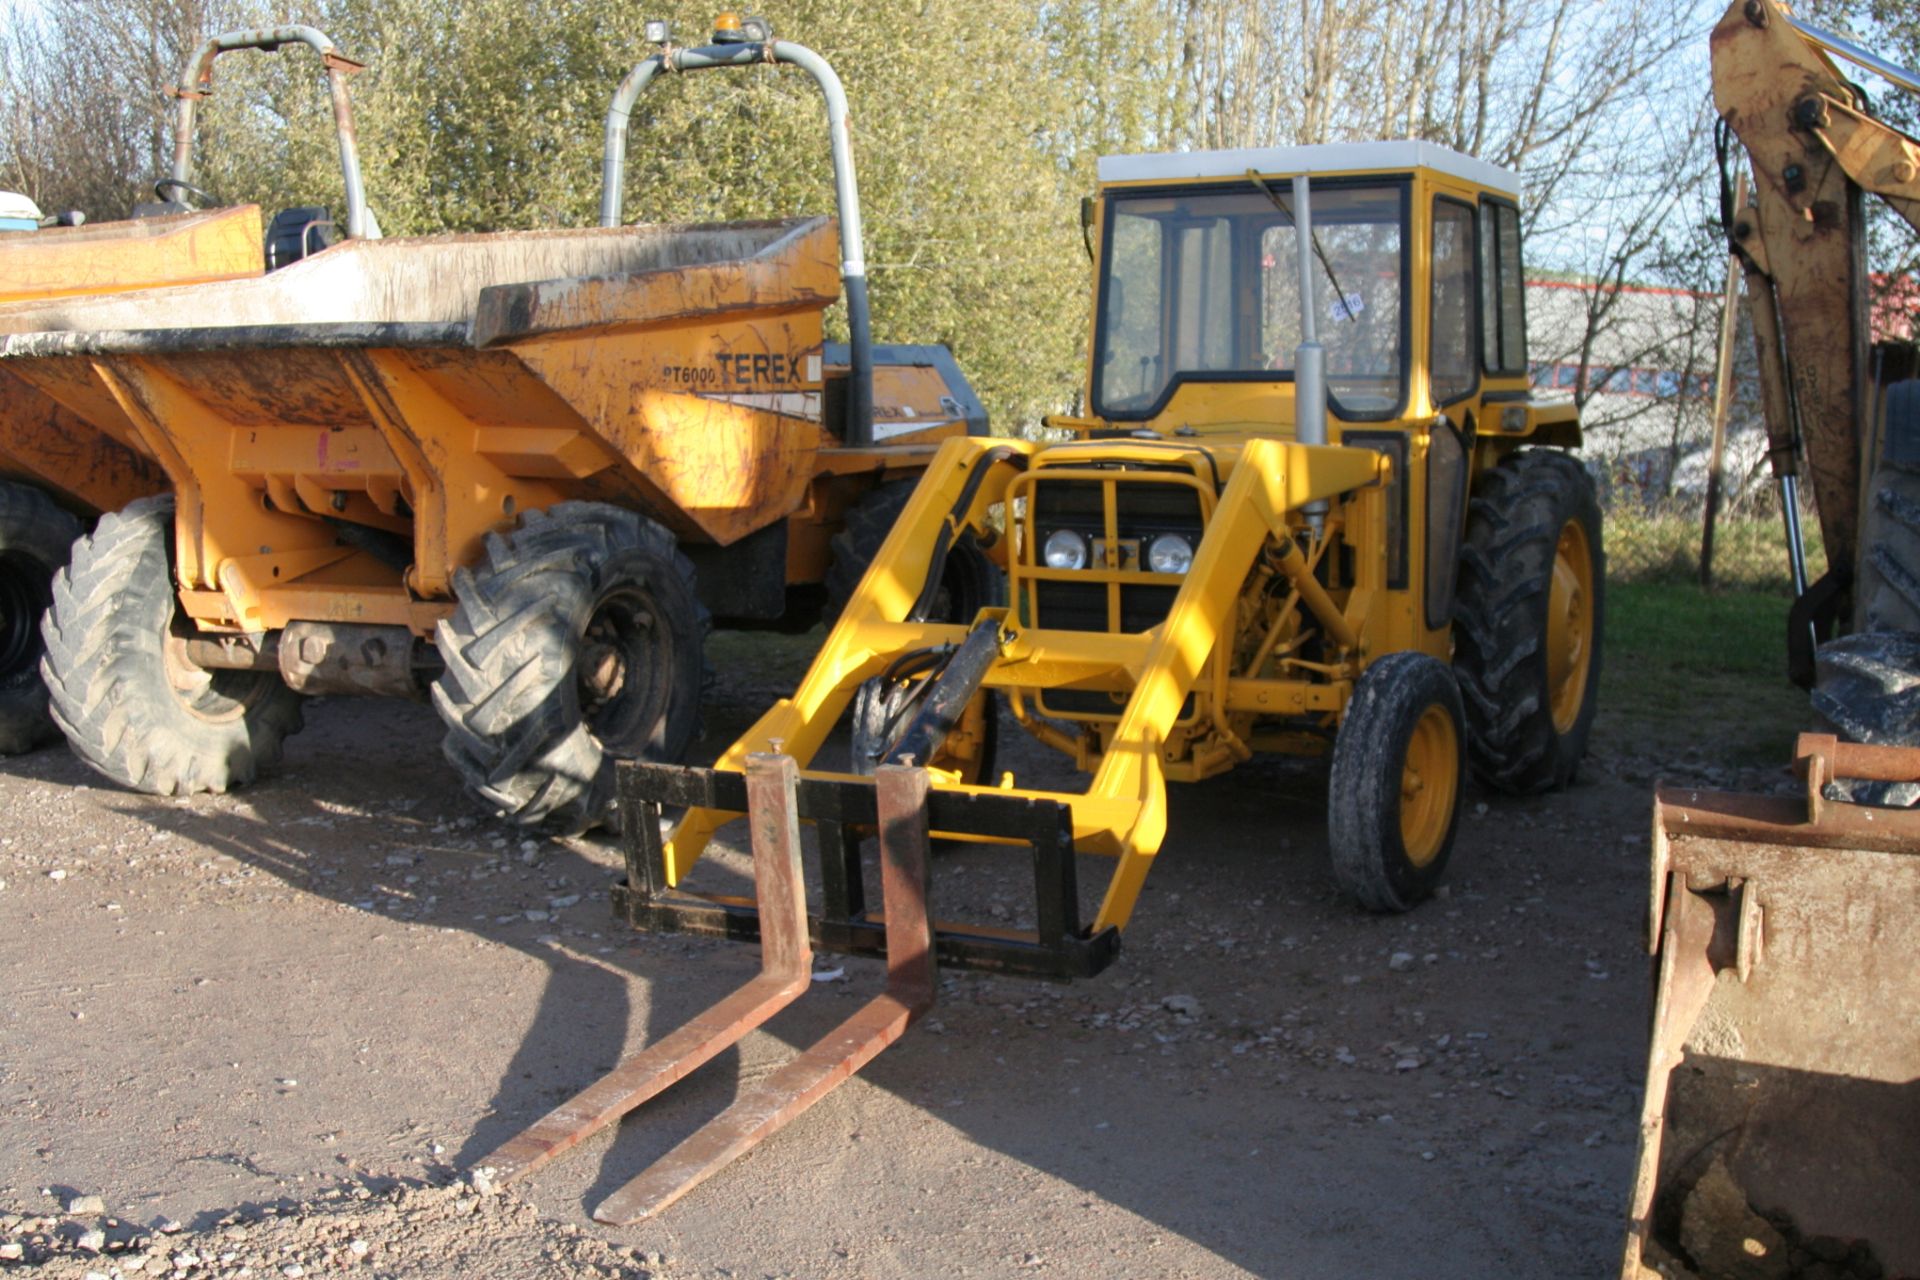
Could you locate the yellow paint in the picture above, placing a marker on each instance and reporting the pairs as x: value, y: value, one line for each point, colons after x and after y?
x: 1570, y: 626
x: 1429, y: 786
x: 1278, y: 615
x: 114, y: 257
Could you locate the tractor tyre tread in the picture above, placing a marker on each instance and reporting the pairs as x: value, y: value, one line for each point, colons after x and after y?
x: 515, y: 729
x: 1500, y: 620
x: 1363, y: 790
x: 1887, y: 586
x: 106, y: 671
x: 1867, y: 688
x: 34, y: 535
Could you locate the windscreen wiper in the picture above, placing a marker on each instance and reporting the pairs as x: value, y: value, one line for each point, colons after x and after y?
x: 1339, y: 293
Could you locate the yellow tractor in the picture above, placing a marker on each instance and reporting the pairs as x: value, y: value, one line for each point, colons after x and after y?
x: 1314, y: 508
x: 1301, y: 516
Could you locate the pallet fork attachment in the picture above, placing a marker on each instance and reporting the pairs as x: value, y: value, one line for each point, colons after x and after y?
x: 786, y: 968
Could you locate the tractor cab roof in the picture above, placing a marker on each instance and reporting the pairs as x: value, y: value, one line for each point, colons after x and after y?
x: 1327, y: 158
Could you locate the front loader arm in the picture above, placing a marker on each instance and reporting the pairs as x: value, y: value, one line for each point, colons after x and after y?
x: 1804, y: 251
x: 1122, y: 813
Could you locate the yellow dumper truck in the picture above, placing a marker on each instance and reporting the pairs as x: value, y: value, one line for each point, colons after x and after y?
x: 60, y: 470
x: 489, y: 466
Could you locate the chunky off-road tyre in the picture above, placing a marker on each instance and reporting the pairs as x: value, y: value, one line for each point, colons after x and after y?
x: 129, y: 701
x: 1528, y: 620
x: 36, y: 538
x: 969, y: 583
x: 1886, y: 589
x: 1399, y: 767
x: 1867, y: 688
x: 576, y: 642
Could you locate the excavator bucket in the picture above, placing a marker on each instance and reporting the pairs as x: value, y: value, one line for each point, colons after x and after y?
x: 762, y: 1109
x: 1780, y: 1132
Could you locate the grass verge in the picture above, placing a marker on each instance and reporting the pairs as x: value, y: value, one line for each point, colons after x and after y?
x: 1688, y: 671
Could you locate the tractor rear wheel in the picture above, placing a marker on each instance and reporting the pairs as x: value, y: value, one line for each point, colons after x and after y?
x: 122, y: 688
x: 578, y: 641
x: 969, y: 583
x: 1399, y: 767
x: 1528, y: 620
x: 1886, y: 589
x: 36, y: 538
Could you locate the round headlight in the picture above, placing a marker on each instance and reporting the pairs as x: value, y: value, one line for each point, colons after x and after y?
x: 1170, y: 553
x: 1065, y: 549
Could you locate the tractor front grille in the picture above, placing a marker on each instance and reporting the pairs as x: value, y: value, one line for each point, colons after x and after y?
x: 1145, y: 507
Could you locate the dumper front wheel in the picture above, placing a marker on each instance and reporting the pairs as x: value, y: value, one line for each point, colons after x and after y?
x: 577, y: 641
x: 36, y: 538
x: 1528, y: 620
x: 122, y: 688
x: 1399, y: 766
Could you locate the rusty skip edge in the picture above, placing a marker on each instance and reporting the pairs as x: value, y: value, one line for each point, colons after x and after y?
x: 786, y: 957
x: 1809, y: 820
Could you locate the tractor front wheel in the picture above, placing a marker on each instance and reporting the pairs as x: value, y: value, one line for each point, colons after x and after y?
x: 1398, y: 771
x: 578, y: 641
x: 36, y: 538
x: 1528, y: 620
x: 130, y: 701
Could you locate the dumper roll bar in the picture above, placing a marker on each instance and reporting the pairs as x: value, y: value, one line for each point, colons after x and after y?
x: 196, y: 82
x: 853, y: 265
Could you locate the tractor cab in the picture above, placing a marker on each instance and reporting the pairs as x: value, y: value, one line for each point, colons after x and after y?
x: 1414, y: 267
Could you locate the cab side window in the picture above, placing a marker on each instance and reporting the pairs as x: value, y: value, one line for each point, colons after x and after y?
x: 1503, y: 289
x: 1451, y: 363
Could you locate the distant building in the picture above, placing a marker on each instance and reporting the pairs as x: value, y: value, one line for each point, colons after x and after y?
x: 1640, y: 361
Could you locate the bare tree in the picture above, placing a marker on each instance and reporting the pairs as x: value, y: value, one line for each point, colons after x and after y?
x: 82, y: 91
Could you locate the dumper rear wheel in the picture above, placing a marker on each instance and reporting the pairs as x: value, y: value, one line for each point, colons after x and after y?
x: 969, y: 583
x: 1528, y: 620
x: 1399, y: 767
x: 577, y: 641
x: 36, y: 538
x: 129, y: 700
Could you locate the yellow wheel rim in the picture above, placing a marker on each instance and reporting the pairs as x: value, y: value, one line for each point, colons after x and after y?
x: 1569, y: 626
x: 1429, y: 785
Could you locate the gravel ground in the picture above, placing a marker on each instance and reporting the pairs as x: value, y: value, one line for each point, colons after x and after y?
x: 285, y: 1021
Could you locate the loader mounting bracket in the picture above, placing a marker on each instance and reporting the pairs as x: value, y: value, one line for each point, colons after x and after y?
x: 842, y: 813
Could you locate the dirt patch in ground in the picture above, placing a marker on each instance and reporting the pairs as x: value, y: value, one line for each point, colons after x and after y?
x: 285, y: 1018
